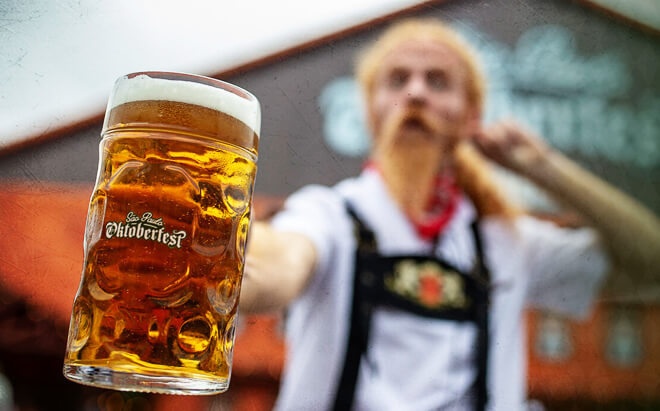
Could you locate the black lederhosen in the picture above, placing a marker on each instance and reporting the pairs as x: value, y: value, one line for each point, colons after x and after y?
x: 375, y: 285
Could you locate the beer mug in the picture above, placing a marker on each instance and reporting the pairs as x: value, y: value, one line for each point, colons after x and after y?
x: 165, y: 236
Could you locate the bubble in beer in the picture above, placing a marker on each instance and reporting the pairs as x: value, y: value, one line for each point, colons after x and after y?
x: 81, y: 324
x: 195, y: 335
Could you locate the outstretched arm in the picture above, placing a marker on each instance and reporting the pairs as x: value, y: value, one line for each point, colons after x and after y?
x: 630, y: 231
x: 277, y: 267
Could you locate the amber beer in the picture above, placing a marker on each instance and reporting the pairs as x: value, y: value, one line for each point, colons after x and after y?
x: 165, y: 237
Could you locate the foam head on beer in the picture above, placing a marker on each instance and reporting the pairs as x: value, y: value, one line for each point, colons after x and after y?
x: 158, y: 92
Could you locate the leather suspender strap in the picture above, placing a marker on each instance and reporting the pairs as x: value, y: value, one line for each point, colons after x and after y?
x: 359, y: 326
x: 482, y: 310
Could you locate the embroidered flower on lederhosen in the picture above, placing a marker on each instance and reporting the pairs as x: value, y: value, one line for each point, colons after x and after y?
x: 428, y: 284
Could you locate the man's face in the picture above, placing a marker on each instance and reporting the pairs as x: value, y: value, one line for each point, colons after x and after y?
x: 419, y: 97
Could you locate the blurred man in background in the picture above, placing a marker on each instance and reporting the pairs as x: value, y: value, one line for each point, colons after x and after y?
x: 405, y: 286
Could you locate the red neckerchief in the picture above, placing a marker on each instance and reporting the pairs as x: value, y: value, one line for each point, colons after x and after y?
x: 441, y: 208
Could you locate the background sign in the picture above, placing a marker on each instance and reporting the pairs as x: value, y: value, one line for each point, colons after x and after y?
x: 580, y: 104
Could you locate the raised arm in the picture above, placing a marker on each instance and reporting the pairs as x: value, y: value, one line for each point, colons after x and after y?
x: 277, y: 268
x: 630, y: 231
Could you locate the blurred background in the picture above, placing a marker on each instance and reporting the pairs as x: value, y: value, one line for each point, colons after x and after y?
x: 583, y: 74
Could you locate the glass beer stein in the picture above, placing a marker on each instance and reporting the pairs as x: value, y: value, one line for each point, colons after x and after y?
x: 165, y: 236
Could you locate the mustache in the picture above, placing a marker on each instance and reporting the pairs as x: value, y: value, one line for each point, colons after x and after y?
x: 411, y: 116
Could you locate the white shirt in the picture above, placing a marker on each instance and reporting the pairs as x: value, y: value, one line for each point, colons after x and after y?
x: 417, y: 363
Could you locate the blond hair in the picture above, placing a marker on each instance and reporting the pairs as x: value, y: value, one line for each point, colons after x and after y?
x: 473, y: 172
x: 421, y: 29
x: 475, y: 176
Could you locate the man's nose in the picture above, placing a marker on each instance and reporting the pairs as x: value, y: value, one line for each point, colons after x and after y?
x: 416, y: 90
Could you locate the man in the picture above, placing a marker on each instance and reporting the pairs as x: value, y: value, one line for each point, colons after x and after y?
x: 405, y: 286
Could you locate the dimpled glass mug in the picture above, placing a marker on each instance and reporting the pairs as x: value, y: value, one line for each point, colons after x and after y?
x: 165, y: 236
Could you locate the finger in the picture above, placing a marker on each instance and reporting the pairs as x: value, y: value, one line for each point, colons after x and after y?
x: 478, y: 137
x: 482, y: 141
x: 496, y: 137
x: 488, y: 146
x: 522, y: 136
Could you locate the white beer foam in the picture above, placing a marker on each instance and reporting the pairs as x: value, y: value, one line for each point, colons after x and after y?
x: 143, y: 87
